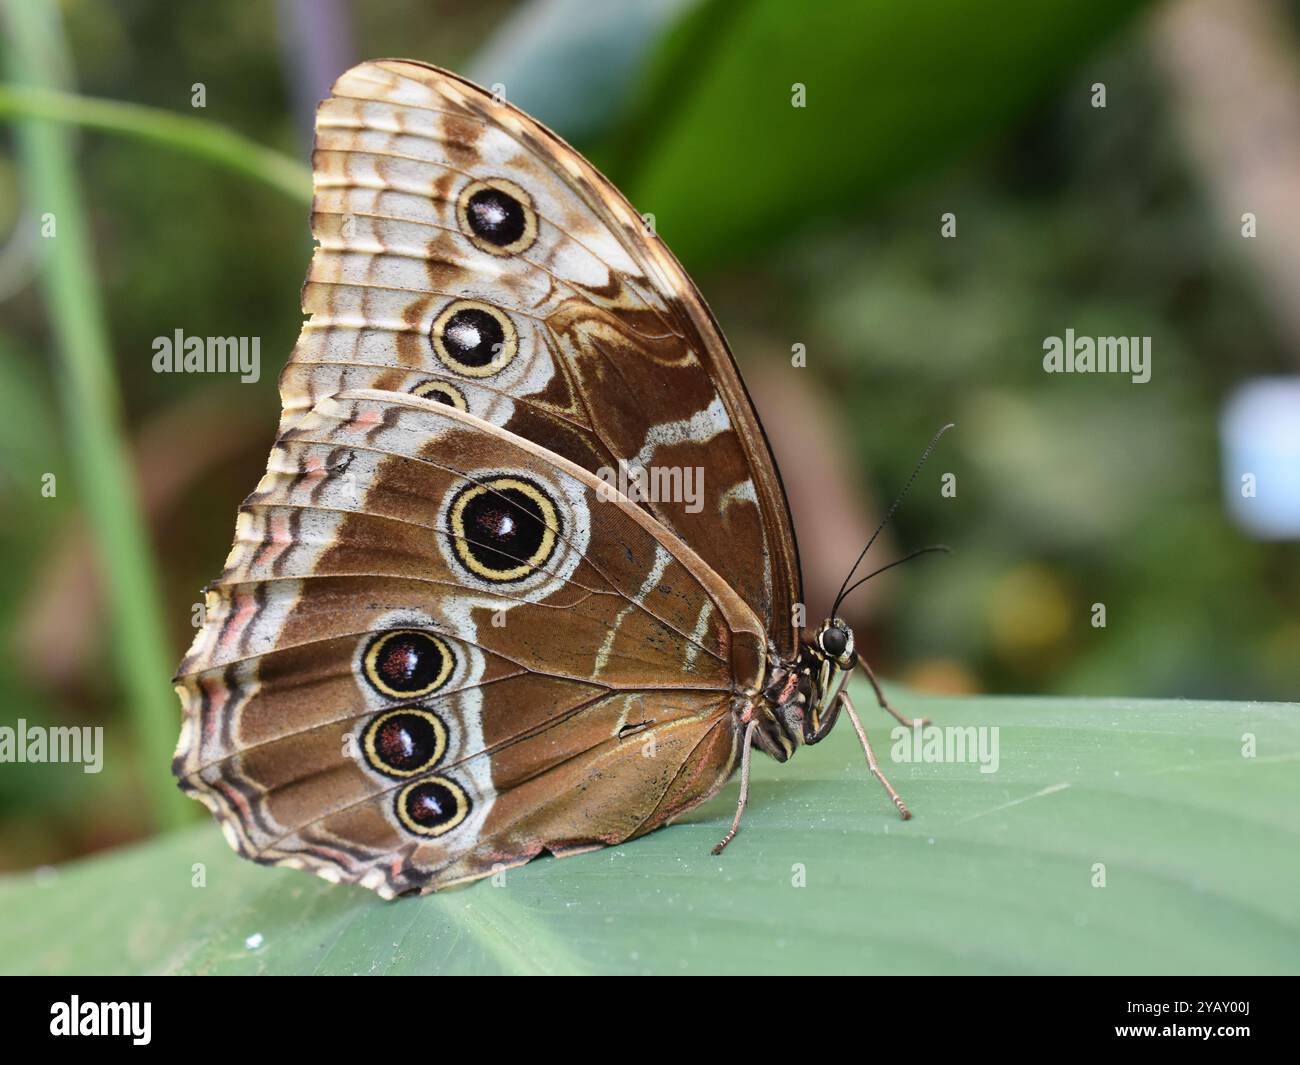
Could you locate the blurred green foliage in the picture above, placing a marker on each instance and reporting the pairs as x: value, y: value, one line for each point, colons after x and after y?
x: 817, y: 226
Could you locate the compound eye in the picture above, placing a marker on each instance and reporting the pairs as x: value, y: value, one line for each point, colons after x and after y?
x: 835, y: 641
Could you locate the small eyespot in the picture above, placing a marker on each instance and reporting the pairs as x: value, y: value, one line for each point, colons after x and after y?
x: 443, y: 392
x: 432, y: 807
x: 474, y: 338
x: 503, y: 529
x: 405, y: 742
x: 407, y: 663
x: 497, y: 216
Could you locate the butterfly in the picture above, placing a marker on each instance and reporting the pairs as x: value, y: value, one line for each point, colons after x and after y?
x: 448, y: 638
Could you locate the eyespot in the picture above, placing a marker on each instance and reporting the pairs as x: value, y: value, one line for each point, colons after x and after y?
x: 442, y: 392
x: 497, y: 216
x: 474, y: 338
x: 405, y: 742
x: 503, y: 529
x: 432, y: 807
x: 407, y: 663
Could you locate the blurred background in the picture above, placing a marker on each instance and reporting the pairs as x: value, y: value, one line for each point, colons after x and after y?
x: 1113, y: 167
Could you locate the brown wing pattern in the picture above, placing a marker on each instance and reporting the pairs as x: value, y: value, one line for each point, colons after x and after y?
x: 442, y: 213
x: 440, y: 645
x: 581, y: 701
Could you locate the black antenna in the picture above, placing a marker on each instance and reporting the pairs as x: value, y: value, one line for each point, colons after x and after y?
x: 839, y: 598
x: 897, y: 562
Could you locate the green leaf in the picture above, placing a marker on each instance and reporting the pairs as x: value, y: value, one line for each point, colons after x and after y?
x: 994, y: 874
x: 198, y: 137
x: 92, y: 408
x: 570, y: 63
x: 716, y: 151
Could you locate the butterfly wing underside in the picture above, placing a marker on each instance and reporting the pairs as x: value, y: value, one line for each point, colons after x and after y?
x: 578, y: 703
x: 607, y: 352
x: 439, y: 647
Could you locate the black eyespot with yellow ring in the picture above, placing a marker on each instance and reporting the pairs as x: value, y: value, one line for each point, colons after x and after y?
x: 503, y: 529
x: 474, y: 338
x: 405, y: 742
x: 407, y: 663
x: 431, y: 807
x: 497, y: 216
x: 442, y: 392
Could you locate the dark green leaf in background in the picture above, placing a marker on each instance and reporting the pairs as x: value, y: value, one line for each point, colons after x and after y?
x: 891, y: 89
x: 573, y: 64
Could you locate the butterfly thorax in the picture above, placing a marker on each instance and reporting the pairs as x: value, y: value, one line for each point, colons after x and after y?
x: 800, y: 701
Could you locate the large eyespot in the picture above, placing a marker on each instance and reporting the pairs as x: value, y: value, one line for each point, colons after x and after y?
x: 407, y: 663
x: 405, y: 742
x: 443, y: 392
x: 432, y: 806
x: 503, y: 529
x: 497, y: 216
x: 474, y: 338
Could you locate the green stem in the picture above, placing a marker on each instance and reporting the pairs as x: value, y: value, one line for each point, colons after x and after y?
x: 93, y: 416
x: 185, y: 133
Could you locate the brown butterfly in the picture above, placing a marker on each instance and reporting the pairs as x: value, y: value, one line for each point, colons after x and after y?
x: 448, y: 637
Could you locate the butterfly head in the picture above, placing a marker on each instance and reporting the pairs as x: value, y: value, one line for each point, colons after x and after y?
x: 828, y: 658
x: 834, y: 643
x: 804, y: 698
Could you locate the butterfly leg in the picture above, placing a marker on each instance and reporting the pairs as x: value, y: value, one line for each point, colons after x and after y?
x: 910, y: 722
x: 872, y: 764
x: 744, y: 786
